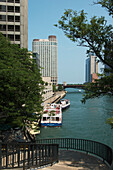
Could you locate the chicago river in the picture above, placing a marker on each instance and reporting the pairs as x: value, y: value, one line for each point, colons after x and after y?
x: 84, y: 121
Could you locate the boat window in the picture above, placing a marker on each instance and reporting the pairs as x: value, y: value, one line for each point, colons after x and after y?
x: 53, y: 118
x: 57, y: 118
x: 44, y: 118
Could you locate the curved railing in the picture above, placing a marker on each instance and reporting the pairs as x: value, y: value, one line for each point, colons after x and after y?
x: 101, y: 150
x: 26, y: 155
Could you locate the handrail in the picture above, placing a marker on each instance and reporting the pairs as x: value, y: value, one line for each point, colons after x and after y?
x: 101, y: 150
x: 45, y: 151
x: 27, y: 155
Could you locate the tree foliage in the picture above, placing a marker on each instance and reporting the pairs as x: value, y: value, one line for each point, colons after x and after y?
x: 108, y: 4
x: 97, y: 36
x: 20, y: 85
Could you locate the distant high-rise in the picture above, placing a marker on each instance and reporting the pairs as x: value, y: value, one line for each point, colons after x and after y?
x: 47, y: 50
x: 14, y: 21
x: 91, y: 68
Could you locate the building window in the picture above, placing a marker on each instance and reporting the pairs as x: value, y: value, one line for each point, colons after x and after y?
x: 10, y: 18
x: 10, y: 9
x: 17, y: 9
x: 17, y: 37
x: 17, y: 18
x: 17, y: 1
x: 10, y: 27
x: 11, y: 37
x: 12, y: 1
x: 2, y: 8
x: 2, y: 0
x: 2, y: 27
x: 17, y: 28
x: 2, y: 17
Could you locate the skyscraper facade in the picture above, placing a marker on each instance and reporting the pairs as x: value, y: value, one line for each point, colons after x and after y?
x: 14, y: 21
x: 91, y: 68
x: 47, y: 50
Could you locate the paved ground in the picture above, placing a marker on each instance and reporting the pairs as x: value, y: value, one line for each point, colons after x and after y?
x: 72, y: 160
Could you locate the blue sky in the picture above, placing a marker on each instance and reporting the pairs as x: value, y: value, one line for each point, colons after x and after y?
x: 42, y: 15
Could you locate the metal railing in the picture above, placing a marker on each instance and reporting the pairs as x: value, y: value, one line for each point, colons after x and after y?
x: 26, y: 155
x: 101, y: 150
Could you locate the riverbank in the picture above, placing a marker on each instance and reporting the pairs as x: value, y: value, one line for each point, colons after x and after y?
x: 30, y: 133
x: 56, y: 97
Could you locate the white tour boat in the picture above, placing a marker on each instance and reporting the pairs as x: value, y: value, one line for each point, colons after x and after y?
x: 65, y: 103
x: 52, y: 115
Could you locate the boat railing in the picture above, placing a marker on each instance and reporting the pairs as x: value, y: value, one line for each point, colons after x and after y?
x: 97, y: 149
x: 51, y: 109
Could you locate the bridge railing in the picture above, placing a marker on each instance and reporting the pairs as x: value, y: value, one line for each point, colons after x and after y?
x: 101, y: 150
x: 26, y: 155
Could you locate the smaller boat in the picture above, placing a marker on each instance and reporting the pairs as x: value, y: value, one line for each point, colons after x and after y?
x: 65, y: 103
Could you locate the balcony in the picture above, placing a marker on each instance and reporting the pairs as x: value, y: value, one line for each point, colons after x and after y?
x: 73, y: 154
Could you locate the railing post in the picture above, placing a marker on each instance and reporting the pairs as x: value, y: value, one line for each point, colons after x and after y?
x: 6, y: 155
x: 111, y: 167
x: 0, y: 156
x: 18, y: 153
x: 23, y: 156
x: 23, y: 164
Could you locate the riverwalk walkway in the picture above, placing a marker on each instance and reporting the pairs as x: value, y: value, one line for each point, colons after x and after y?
x: 56, y: 97
x: 74, y: 160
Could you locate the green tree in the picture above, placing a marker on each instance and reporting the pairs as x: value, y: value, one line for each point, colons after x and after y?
x: 20, y: 85
x: 108, y: 4
x: 97, y: 36
x: 54, y: 88
x: 60, y: 87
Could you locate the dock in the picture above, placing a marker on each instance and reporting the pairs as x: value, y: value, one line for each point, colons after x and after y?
x: 55, y: 98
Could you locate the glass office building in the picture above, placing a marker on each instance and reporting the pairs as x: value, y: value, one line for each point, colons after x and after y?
x: 47, y: 50
x: 14, y: 21
x: 91, y: 68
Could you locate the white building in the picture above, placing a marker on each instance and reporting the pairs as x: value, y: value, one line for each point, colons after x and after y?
x: 48, y: 91
x: 47, y: 50
x: 14, y: 21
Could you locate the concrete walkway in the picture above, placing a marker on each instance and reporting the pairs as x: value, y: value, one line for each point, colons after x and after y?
x: 73, y: 160
x: 57, y: 96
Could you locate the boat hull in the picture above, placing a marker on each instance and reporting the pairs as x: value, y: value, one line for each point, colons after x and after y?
x: 65, y: 107
x: 51, y: 124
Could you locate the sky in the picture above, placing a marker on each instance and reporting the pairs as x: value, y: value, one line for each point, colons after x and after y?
x: 42, y: 15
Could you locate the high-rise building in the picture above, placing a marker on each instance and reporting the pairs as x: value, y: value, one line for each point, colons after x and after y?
x: 47, y: 50
x: 14, y: 21
x: 91, y: 68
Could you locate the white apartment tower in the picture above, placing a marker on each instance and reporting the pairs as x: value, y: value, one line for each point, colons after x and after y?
x: 47, y: 50
x: 14, y: 21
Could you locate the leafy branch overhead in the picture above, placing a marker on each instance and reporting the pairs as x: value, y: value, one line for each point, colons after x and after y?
x: 94, y: 34
x: 107, y: 4
x: 97, y: 36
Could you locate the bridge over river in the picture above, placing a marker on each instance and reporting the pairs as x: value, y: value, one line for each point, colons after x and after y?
x: 80, y: 86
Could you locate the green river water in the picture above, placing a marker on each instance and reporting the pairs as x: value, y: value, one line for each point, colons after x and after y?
x: 84, y: 121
